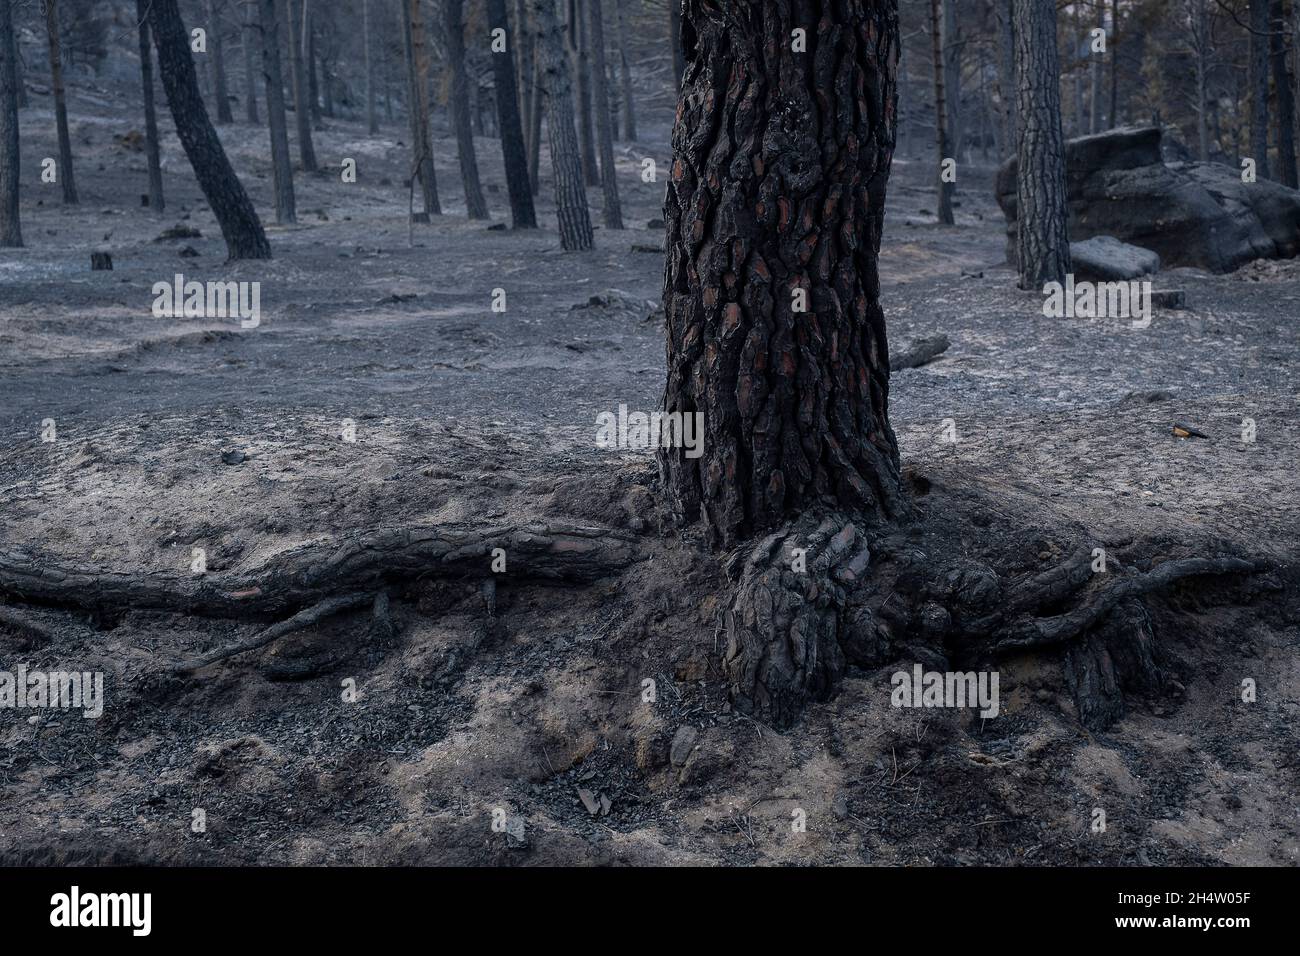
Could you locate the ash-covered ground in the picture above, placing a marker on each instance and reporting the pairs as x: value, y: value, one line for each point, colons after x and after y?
x: 174, y: 434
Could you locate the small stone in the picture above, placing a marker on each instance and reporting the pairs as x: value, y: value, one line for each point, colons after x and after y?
x: 589, y: 801
x: 683, y: 744
x: 233, y: 457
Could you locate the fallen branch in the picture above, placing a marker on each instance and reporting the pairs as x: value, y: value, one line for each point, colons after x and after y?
x: 18, y: 621
x: 921, y: 352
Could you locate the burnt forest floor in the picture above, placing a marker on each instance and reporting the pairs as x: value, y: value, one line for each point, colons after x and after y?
x: 175, y: 434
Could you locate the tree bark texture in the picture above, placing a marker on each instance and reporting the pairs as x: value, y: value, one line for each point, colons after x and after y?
x: 1283, y: 90
x: 417, y: 98
x: 281, y: 163
x: 66, y: 177
x: 298, y: 75
x: 217, y: 63
x: 1258, y: 83
x: 566, y: 161
x: 249, y: 44
x: 11, y: 233
x: 612, y: 209
x: 625, y: 75
x: 454, y: 38
x: 942, y: 142
x: 513, y: 152
x: 153, y: 160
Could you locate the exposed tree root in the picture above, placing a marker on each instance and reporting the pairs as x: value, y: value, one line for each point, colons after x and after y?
x: 25, y: 624
x: 319, y: 571
x: 920, y: 352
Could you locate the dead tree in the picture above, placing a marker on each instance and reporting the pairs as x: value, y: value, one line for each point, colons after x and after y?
x: 566, y: 163
x: 11, y: 233
x: 1258, y: 82
x: 152, y: 157
x: 277, y: 122
x: 298, y: 76
x: 941, y: 140
x: 248, y: 40
x: 240, y: 226
x: 1285, y: 94
x: 612, y: 210
x: 217, y: 64
x: 372, y: 117
x: 625, y: 75
x: 417, y: 98
x: 578, y: 51
x: 513, y: 152
x: 458, y: 102
x: 675, y: 42
x: 65, y: 173
x: 1042, y: 243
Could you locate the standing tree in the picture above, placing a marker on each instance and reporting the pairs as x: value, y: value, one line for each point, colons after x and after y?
x: 566, y: 164
x: 281, y: 163
x: 937, y: 40
x: 1285, y: 94
x: 11, y: 233
x: 65, y: 173
x: 675, y: 42
x: 1258, y: 80
x: 298, y: 74
x: 625, y: 74
x: 454, y: 39
x: 150, y: 116
x: 372, y: 118
x: 248, y: 40
x: 417, y: 98
x: 613, y: 211
x: 1094, y: 67
x: 240, y: 226
x: 217, y: 64
x: 1042, y: 243
x: 776, y: 336
x: 513, y: 152
x: 578, y: 45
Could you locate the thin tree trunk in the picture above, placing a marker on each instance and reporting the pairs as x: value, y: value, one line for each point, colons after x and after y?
x: 566, y: 162
x: 1042, y: 244
x: 156, y: 203
x: 1006, y: 74
x: 298, y: 77
x: 66, y: 177
x: 1258, y: 79
x: 225, y: 194
x: 625, y: 75
x: 277, y: 122
x: 454, y: 38
x: 577, y: 32
x: 535, y: 122
x: 217, y: 64
x: 952, y: 50
x: 1094, y: 98
x: 372, y: 117
x: 20, y: 70
x: 513, y: 154
x: 313, y: 64
x: 944, y: 198
x: 1286, y: 167
x: 795, y: 401
x: 11, y: 233
x: 612, y: 209
x: 249, y: 43
x: 675, y: 41
x: 1113, y: 47
x: 527, y: 87
x: 417, y: 75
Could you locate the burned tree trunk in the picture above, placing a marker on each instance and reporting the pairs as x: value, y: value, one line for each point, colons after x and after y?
x: 1286, y: 165
x: 578, y: 46
x: 941, y: 140
x: 1042, y: 245
x: 454, y: 38
x: 66, y: 177
x: 298, y: 75
x: 281, y: 164
x: 417, y: 98
x: 675, y: 42
x: 372, y: 118
x: 612, y: 210
x: 1258, y: 82
x: 513, y: 153
x: 11, y: 233
x: 156, y: 202
x: 221, y: 187
x: 566, y: 163
x: 248, y: 40
x: 217, y: 63
x: 625, y: 75
x: 774, y: 211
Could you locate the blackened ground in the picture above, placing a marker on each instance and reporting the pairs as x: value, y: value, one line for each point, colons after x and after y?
x: 464, y: 414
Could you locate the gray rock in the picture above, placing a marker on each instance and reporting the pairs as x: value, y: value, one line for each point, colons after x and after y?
x: 683, y: 744
x: 1106, y: 259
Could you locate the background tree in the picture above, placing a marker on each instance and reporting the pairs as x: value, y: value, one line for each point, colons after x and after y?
x: 151, y: 149
x: 240, y: 226
x: 942, y: 142
x: 52, y: 31
x: 372, y: 117
x: 1284, y: 95
x: 625, y: 75
x: 578, y: 51
x: 277, y: 122
x: 298, y: 76
x: 216, y: 56
x: 566, y: 164
x: 612, y: 210
x: 1042, y: 244
x: 248, y: 40
x: 417, y: 93
x: 11, y: 233
x: 513, y: 152
x: 1259, y: 86
x: 458, y: 103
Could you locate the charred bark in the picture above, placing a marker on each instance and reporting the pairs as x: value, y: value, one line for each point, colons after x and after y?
x: 513, y: 152
x: 454, y: 38
x: 372, y: 117
x: 298, y: 76
x: 248, y: 40
x: 217, y: 64
x: 566, y: 162
x: 578, y: 49
x: 67, y: 178
x: 1283, y: 90
x: 240, y: 226
x: 281, y: 164
x: 612, y: 209
x: 1258, y: 84
x: 774, y: 211
x: 625, y: 75
x: 942, y: 142
x: 417, y: 100
x: 154, y: 162
x: 11, y: 233
x: 1042, y: 245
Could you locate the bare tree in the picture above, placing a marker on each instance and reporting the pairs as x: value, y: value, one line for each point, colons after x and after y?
x: 675, y: 42
x: 298, y: 72
x: 578, y: 47
x: 417, y: 98
x: 152, y: 157
x: 1258, y: 79
x: 613, y: 212
x: 217, y: 63
x: 11, y: 233
x: 248, y: 40
x: 1042, y: 243
x: 942, y: 142
x: 458, y: 102
x: 1200, y: 45
x: 625, y: 75
x: 281, y: 163
x: 513, y: 151
x: 372, y: 118
x: 240, y: 226
x: 65, y: 173
x: 1285, y: 97
x: 566, y: 163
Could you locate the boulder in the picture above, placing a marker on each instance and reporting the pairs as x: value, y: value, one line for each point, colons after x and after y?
x: 1189, y: 214
x: 1106, y: 259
